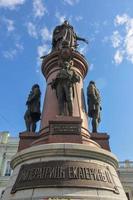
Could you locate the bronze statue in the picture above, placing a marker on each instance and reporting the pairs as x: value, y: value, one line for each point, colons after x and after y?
x: 65, y: 32
x: 32, y: 114
x: 64, y: 86
x: 93, y: 100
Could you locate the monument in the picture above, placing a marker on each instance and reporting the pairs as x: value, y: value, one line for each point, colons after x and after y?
x: 64, y: 160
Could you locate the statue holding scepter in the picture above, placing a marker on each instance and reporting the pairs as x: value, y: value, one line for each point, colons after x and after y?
x: 65, y: 32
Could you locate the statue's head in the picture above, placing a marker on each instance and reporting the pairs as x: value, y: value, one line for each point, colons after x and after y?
x: 35, y: 86
x: 92, y: 82
x: 66, y: 23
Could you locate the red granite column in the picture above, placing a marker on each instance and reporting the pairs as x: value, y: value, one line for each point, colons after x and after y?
x: 50, y: 113
x: 50, y: 69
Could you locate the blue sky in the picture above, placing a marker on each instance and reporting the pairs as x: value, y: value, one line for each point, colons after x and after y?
x: 25, y: 30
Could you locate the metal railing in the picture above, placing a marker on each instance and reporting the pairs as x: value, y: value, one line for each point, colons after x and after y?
x: 126, y: 164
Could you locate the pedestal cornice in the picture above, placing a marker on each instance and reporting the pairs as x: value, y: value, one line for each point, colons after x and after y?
x: 66, y: 150
x: 50, y: 63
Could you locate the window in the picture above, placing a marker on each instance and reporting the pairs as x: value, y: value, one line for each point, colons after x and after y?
x: 8, y: 169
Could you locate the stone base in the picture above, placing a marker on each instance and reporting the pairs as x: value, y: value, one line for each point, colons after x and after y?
x: 102, y: 139
x: 99, y: 181
x: 61, y: 129
x: 26, y: 139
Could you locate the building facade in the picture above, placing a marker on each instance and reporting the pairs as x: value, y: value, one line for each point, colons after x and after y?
x: 126, y: 176
x: 8, y: 148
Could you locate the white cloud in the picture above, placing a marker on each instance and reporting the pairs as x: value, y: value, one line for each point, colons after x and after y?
x: 83, y: 49
x: 32, y: 30
x: 124, y: 43
x: 60, y: 17
x: 46, y: 34
x: 71, y: 2
x: 118, y: 57
x: 78, y: 18
x: 129, y: 39
x: 19, y: 46
x: 42, y: 50
x: 38, y: 8
x: 116, y: 39
x: 11, y: 4
x: 129, y: 47
x: 120, y: 20
x: 9, y: 24
x: 11, y: 53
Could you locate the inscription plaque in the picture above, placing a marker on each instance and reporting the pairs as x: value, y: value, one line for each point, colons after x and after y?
x: 65, y: 128
x: 64, y: 174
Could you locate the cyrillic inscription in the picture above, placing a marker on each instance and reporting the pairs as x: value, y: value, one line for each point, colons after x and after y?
x: 65, y: 128
x: 64, y: 174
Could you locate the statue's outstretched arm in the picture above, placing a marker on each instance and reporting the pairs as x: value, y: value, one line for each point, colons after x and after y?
x: 82, y: 39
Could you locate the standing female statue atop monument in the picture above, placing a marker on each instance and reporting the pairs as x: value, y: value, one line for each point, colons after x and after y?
x: 65, y: 32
